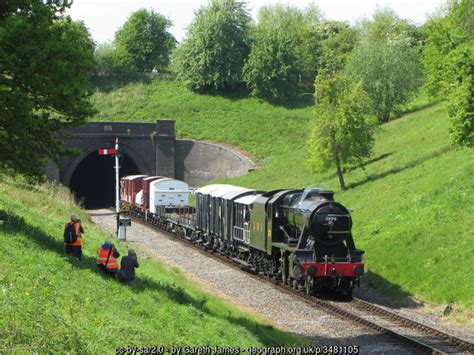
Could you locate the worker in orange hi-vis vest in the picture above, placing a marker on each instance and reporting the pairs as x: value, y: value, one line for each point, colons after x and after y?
x: 108, y: 255
x: 73, y: 237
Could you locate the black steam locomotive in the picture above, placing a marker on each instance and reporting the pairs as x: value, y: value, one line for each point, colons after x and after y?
x: 302, y: 237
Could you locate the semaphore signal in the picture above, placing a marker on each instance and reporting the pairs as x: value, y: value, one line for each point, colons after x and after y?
x: 108, y: 151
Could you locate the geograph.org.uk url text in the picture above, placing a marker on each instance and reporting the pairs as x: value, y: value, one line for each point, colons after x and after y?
x: 297, y: 350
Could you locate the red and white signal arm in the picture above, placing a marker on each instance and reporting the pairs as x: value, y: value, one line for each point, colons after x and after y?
x: 108, y: 151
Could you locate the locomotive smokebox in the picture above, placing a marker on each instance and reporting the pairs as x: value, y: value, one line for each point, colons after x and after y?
x: 330, y: 223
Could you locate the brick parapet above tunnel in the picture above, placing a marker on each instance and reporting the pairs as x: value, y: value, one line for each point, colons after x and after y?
x: 114, y: 129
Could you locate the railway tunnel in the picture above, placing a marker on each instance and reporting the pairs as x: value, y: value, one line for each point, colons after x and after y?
x: 93, y: 180
x: 147, y: 148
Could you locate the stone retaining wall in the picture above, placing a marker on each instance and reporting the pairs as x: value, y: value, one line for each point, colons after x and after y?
x: 199, y: 162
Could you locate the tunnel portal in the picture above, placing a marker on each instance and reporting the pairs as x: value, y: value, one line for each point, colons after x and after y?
x: 93, y: 181
x: 148, y: 148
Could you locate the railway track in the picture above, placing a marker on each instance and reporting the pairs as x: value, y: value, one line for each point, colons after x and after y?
x: 417, y: 336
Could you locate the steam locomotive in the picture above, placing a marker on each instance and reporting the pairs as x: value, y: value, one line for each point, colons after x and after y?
x: 301, y: 237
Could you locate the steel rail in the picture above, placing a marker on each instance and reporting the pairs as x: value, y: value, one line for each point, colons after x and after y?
x: 360, y: 303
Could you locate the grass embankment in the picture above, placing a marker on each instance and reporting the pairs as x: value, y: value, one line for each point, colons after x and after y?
x: 412, y: 205
x: 52, y: 303
x: 259, y: 128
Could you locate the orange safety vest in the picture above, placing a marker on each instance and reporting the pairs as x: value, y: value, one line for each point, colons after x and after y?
x: 77, y: 227
x: 103, y: 254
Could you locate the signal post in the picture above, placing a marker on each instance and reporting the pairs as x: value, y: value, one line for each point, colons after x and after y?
x: 121, y: 224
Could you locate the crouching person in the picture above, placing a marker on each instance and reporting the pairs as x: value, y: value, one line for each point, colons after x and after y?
x: 127, y: 267
x: 108, y: 255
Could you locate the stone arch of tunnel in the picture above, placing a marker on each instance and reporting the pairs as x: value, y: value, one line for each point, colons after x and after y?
x: 93, y: 179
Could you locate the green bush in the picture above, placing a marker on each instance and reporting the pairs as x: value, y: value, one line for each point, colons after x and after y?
x: 212, y: 55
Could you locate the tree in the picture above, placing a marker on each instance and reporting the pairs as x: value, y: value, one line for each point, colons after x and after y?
x: 113, y: 68
x: 336, y: 42
x: 213, y: 53
x: 342, y: 134
x: 272, y: 71
x: 309, y: 48
x: 387, y: 63
x: 45, y: 65
x: 461, y: 111
x: 448, y: 58
x: 104, y: 59
x: 282, y: 54
x: 111, y: 63
x: 144, y: 41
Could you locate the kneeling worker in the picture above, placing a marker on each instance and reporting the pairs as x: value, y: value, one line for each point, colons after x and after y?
x: 108, y: 255
x: 127, y: 267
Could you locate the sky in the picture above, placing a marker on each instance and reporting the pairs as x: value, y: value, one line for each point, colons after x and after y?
x: 104, y: 17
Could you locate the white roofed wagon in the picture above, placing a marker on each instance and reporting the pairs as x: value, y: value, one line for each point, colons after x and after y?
x: 168, y: 192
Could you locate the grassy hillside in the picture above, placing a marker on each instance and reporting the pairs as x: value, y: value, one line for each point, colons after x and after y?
x: 412, y: 205
x: 258, y: 127
x: 52, y: 303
